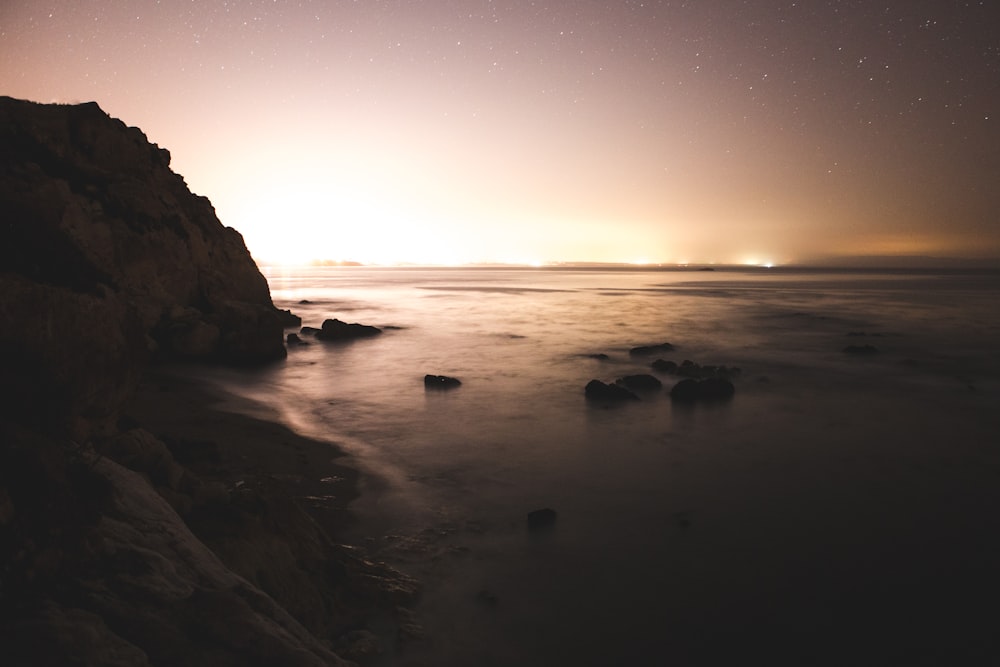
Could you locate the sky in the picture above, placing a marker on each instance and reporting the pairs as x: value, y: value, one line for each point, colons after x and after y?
x: 449, y: 131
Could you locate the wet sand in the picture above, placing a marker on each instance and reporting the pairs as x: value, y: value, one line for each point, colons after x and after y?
x: 225, y: 438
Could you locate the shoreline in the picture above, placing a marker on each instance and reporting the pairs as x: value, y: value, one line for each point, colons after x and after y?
x: 185, y: 411
x: 266, y: 477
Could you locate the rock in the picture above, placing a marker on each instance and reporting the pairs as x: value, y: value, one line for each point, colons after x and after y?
x: 541, y: 519
x: 642, y: 382
x: 600, y: 391
x: 644, y: 350
x: 92, y: 208
x: 293, y: 339
x: 289, y: 319
x: 708, y: 389
x: 196, y: 340
x: 665, y: 366
x: 598, y: 356
x: 336, y: 330
x: 309, y: 331
x: 441, y: 382
x: 690, y: 369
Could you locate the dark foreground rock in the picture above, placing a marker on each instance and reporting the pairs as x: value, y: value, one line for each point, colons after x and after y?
x: 92, y: 209
x: 124, y: 538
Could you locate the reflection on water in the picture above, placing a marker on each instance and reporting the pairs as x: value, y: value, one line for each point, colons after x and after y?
x: 836, y: 504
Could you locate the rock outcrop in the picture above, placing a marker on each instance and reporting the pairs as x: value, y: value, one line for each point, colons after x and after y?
x: 115, y: 548
x: 92, y: 208
x: 610, y: 393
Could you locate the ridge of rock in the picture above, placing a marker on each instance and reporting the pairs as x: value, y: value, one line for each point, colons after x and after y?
x: 107, y: 258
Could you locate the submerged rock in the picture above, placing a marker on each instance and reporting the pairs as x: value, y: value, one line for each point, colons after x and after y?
x: 541, y: 519
x: 688, y: 368
x: 641, y: 382
x: 600, y: 391
x: 441, y: 382
x: 643, y: 350
x: 334, y: 329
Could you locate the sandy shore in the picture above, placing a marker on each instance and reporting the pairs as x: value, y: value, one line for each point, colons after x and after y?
x: 212, y: 435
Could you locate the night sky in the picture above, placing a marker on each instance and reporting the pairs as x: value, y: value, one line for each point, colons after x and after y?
x: 454, y: 131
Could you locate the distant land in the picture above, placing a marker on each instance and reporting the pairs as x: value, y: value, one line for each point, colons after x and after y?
x: 889, y: 262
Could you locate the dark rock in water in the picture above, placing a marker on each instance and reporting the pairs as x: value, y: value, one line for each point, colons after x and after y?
x: 665, y: 366
x: 642, y: 382
x: 644, y: 350
x: 688, y: 368
x: 335, y: 330
x: 708, y: 389
x: 685, y: 390
x: 600, y: 391
x: 289, y: 319
x: 541, y: 519
x: 293, y: 339
x: 599, y: 356
x: 441, y: 382
x: 304, y: 302
x: 309, y: 331
x: 861, y: 349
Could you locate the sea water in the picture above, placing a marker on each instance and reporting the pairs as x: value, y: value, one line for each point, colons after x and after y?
x: 839, y: 509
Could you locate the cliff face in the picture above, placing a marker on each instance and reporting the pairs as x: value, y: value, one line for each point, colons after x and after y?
x: 106, y: 256
x: 115, y: 549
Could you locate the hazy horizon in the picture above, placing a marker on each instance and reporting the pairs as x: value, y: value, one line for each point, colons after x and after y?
x: 860, y: 262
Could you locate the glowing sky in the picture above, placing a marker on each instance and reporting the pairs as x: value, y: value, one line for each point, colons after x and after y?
x: 443, y: 131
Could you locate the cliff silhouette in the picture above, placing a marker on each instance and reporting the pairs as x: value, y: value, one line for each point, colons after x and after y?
x: 118, y: 545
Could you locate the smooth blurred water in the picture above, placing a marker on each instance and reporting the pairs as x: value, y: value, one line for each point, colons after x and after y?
x: 839, y: 510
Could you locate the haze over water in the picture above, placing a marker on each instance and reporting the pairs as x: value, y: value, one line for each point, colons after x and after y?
x: 840, y: 509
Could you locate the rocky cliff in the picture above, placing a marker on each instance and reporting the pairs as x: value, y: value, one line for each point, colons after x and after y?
x: 117, y: 545
x: 106, y: 255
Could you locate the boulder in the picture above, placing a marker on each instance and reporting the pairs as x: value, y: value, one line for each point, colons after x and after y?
x: 441, y: 382
x: 600, y: 391
x: 641, y: 382
x: 541, y: 519
x: 688, y: 368
x: 336, y: 330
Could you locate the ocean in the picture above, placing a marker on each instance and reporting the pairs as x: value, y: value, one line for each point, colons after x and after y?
x: 839, y: 509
